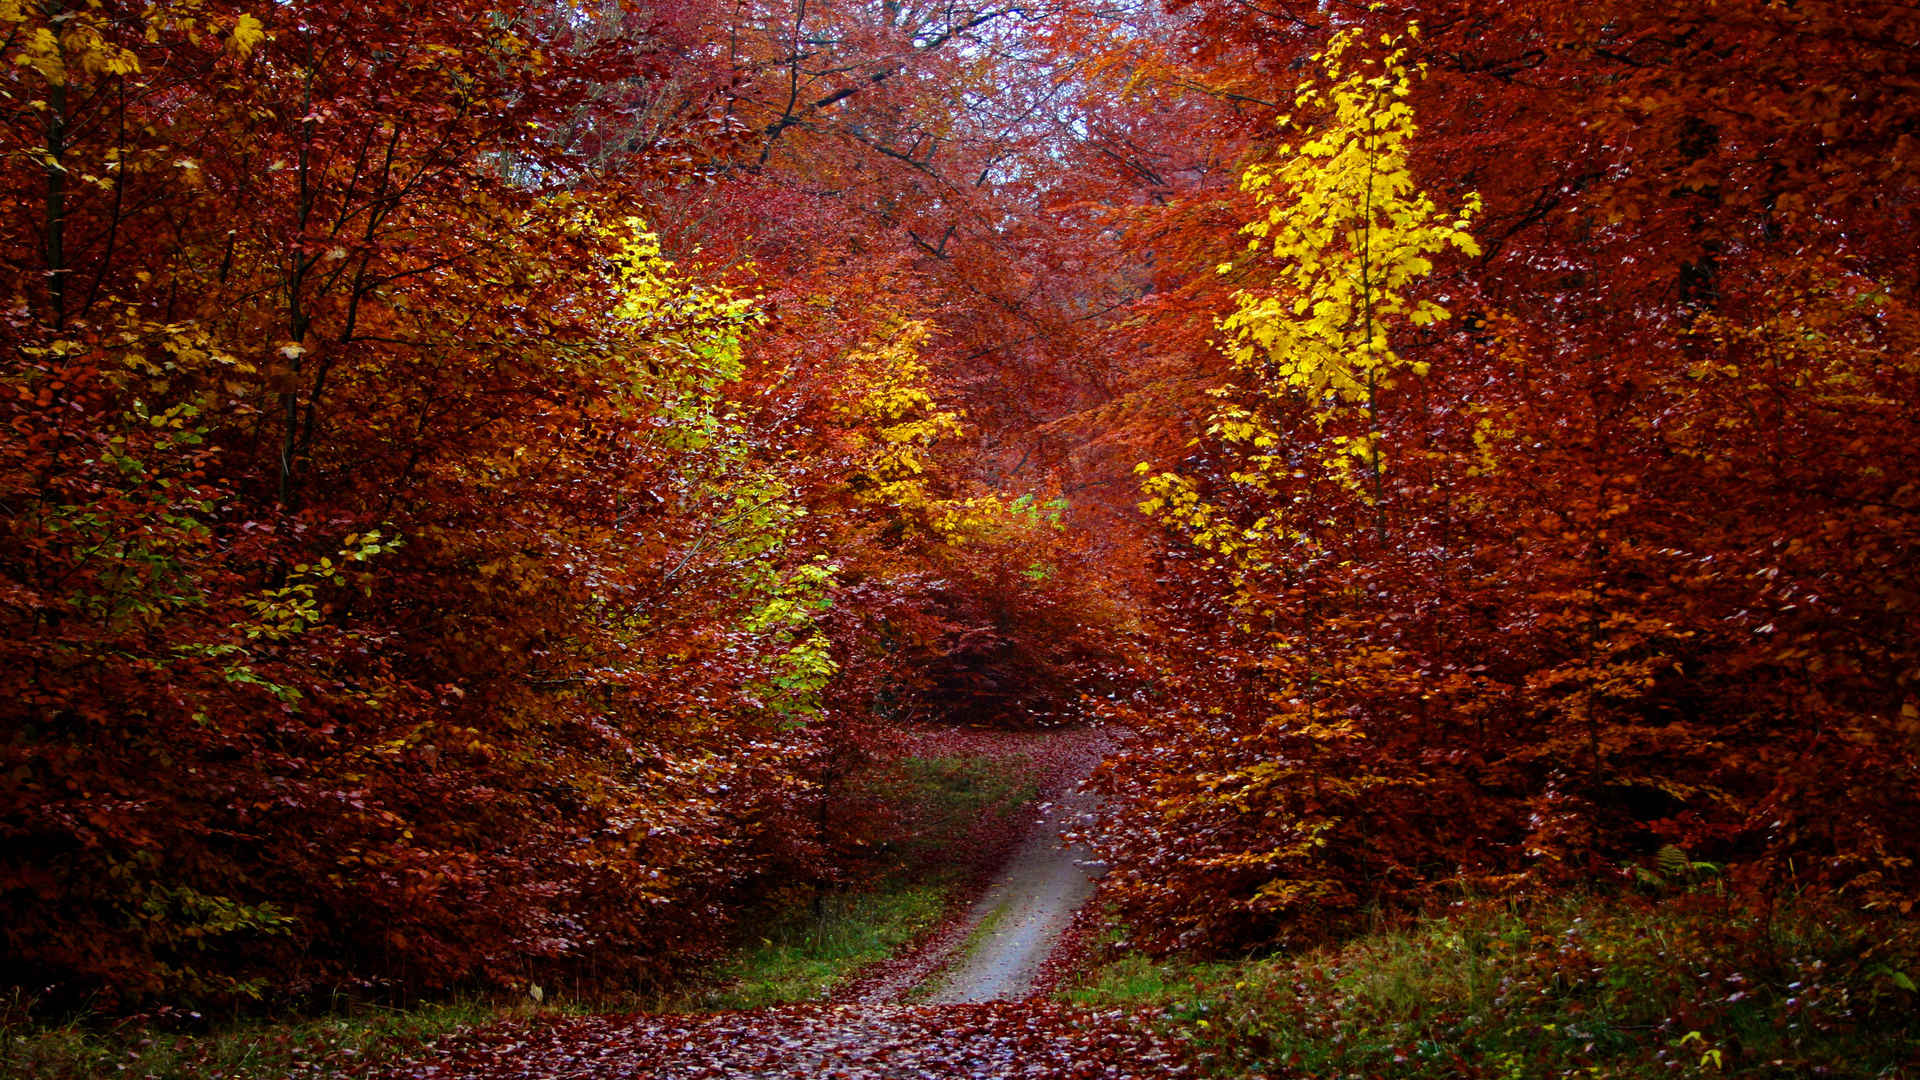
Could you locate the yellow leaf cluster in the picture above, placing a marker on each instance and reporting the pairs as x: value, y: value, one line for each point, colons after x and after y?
x: 1344, y: 233
x: 895, y: 424
x: 59, y: 44
x: 1348, y: 230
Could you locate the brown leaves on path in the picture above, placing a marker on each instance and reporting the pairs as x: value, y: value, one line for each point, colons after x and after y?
x: 1031, y: 1039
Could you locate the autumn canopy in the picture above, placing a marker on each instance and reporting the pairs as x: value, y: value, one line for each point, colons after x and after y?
x: 476, y: 477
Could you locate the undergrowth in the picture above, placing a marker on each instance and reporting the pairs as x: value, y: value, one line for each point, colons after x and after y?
x: 1623, y: 987
x: 941, y: 805
x: 936, y: 807
x: 295, y: 1050
x: 804, y: 957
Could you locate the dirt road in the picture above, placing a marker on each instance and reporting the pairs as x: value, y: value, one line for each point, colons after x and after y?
x: 1017, y: 924
x: 961, y: 1006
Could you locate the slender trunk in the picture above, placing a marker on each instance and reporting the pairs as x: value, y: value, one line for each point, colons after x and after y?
x: 298, y: 262
x: 1373, y: 371
x: 54, y: 221
x: 105, y: 262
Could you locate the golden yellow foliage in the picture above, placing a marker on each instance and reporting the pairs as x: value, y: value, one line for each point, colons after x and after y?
x: 1345, y: 232
x: 1350, y: 230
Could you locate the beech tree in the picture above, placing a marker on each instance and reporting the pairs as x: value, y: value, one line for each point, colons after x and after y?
x: 1482, y: 604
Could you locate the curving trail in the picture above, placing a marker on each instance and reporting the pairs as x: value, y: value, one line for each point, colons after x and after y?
x: 1021, y: 919
x: 981, y: 1017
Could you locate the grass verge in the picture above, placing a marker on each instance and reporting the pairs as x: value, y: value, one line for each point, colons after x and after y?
x: 1691, y: 985
x: 939, y: 807
x: 315, y: 1048
x: 804, y: 957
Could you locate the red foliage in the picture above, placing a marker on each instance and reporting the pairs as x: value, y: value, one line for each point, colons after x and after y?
x: 409, y: 581
x: 1634, y: 577
x: 322, y: 485
x: 386, y: 603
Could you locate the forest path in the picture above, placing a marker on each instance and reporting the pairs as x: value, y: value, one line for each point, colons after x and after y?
x: 1016, y: 926
x: 999, y: 949
x: 984, y: 1017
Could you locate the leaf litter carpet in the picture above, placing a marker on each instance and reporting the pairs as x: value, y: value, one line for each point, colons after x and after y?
x: 1030, y: 1040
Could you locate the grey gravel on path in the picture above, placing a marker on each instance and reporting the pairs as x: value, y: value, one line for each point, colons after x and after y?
x: 1021, y: 918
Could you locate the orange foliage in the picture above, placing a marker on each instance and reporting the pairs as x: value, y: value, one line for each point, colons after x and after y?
x: 1633, y: 575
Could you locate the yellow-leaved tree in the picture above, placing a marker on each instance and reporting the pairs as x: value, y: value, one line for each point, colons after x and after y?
x: 1285, y: 494
x: 689, y: 339
x: 896, y: 425
x: 1345, y: 232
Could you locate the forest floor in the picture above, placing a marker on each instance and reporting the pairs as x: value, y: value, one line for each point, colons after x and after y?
x: 968, y: 1000
x: 972, y: 964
